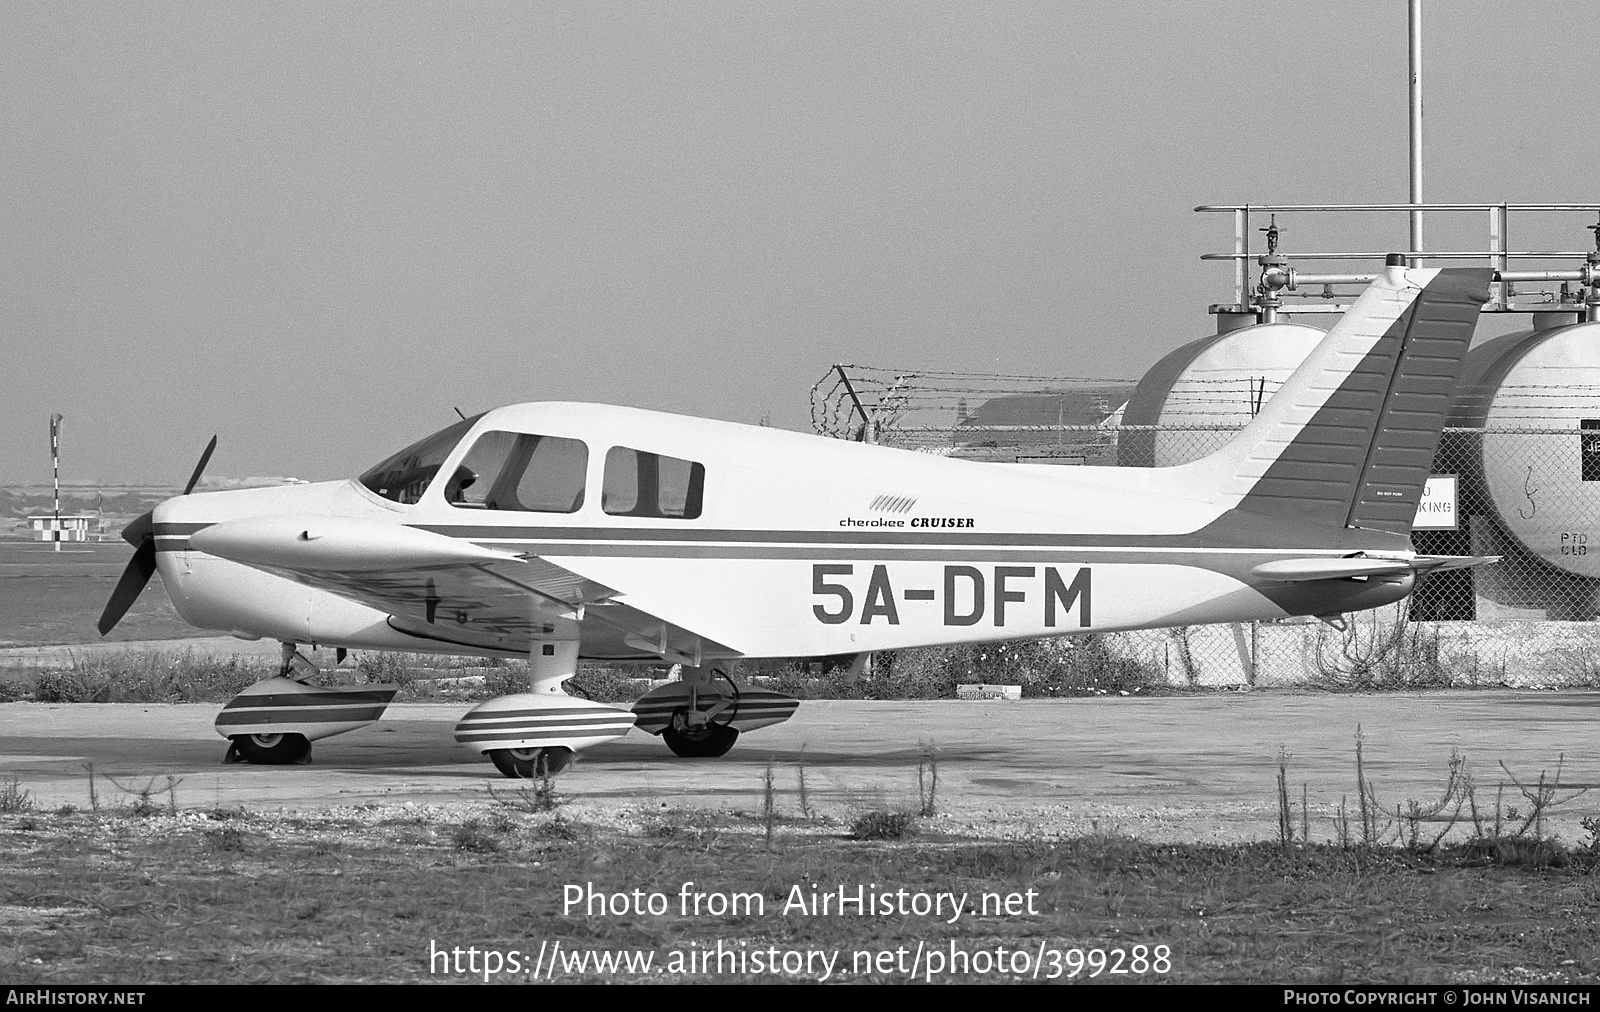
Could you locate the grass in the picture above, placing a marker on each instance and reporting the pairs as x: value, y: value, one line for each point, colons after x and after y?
x: 359, y: 895
x: 144, y: 890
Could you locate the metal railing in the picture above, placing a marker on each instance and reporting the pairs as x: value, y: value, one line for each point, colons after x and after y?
x: 1498, y: 254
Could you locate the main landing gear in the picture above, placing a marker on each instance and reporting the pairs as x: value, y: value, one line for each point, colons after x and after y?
x: 701, y: 715
x: 708, y: 741
x: 537, y: 733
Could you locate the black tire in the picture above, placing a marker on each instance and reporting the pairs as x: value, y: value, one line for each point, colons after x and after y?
x: 710, y: 743
x: 530, y: 763
x: 272, y: 749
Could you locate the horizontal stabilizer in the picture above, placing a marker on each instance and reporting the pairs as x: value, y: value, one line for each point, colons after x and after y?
x: 1302, y: 570
x: 1439, y: 563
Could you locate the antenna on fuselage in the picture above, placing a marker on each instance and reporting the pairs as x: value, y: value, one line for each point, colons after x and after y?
x: 459, y: 414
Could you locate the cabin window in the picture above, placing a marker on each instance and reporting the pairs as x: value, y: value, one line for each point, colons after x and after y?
x: 520, y: 471
x: 403, y: 477
x: 640, y: 484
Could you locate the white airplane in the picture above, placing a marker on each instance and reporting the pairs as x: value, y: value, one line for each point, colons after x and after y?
x: 565, y: 532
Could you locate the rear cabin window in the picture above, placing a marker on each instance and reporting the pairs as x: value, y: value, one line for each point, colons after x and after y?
x: 521, y: 471
x: 640, y: 484
x: 403, y: 477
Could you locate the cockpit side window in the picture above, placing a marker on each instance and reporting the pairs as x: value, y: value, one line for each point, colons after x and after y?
x: 403, y: 477
x: 640, y: 484
x: 521, y: 471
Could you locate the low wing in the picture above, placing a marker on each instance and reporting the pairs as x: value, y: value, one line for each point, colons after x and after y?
x: 450, y: 590
x: 1303, y: 570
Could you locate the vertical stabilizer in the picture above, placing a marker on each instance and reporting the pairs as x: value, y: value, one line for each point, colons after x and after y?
x: 1349, y: 439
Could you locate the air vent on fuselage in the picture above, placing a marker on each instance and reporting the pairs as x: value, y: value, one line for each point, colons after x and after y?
x: 893, y: 503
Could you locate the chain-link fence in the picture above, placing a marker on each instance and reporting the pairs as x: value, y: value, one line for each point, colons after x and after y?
x: 1529, y: 495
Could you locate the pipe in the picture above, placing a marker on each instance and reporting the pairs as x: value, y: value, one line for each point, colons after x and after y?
x: 1407, y: 254
x: 1416, y: 126
x: 1218, y: 208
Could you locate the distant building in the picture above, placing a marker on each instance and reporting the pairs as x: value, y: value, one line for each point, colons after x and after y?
x: 73, y: 526
x: 1056, y: 427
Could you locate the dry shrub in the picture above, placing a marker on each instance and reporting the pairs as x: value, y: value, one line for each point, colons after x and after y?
x: 155, y: 677
x: 882, y: 825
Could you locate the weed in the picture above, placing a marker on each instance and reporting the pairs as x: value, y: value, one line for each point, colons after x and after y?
x: 1371, y: 833
x: 1305, y: 815
x: 14, y: 797
x: 879, y: 824
x: 805, y: 796
x: 1069, y: 666
x: 383, y: 666
x: 154, y: 677
x: 834, y: 683
x: 502, y: 821
x: 605, y: 685
x: 1542, y: 797
x: 1087, y: 666
x: 1446, y: 812
x: 540, y: 796
x: 690, y: 826
x: 94, y: 796
x: 1341, y: 825
x: 1519, y: 852
x: 769, y: 806
x: 557, y: 829
x: 225, y: 838
x: 1285, y: 816
x: 1380, y: 649
x: 1591, y: 829
x: 144, y: 798
x: 928, y: 782
x: 472, y: 836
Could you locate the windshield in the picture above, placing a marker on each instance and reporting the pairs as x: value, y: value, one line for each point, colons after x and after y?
x: 403, y: 477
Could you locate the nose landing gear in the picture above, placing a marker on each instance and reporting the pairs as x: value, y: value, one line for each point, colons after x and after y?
x: 269, y: 749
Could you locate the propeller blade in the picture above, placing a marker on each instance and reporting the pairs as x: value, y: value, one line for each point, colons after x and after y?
x: 140, y: 529
x: 140, y: 568
x: 194, y: 479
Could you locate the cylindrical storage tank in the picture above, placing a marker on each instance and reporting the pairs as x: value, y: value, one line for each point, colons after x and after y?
x: 1530, y: 479
x: 1201, y: 394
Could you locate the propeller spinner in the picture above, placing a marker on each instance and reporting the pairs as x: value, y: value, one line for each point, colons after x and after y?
x: 140, y: 533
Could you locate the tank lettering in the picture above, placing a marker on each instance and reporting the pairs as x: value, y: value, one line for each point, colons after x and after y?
x: 1574, y: 543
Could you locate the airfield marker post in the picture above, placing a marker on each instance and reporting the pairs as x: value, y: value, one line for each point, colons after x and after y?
x: 55, y: 466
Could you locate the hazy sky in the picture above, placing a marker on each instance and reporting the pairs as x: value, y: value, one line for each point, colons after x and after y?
x: 315, y: 228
